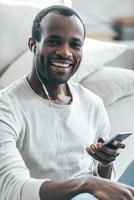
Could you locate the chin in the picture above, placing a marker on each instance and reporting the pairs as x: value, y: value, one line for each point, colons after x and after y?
x: 58, y: 82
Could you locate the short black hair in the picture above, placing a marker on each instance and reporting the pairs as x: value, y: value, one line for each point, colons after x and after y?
x: 62, y: 10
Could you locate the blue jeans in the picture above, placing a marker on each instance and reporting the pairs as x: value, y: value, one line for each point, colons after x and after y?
x: 127, y: 178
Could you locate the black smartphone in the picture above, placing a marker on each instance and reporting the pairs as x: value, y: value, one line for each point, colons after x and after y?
x: 117, y: 138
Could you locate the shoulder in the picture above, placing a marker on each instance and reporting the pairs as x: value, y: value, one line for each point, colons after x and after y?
x: 11, y: 103
x: 13, y: 88
x: 85, y: 94
x: 12, y: 93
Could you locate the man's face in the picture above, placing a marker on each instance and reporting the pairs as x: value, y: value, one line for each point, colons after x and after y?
x: 59, y: 52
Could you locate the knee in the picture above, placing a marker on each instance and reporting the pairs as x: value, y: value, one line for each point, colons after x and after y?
x: 84, y: 196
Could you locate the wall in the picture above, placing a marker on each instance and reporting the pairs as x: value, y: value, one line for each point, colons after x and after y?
x: 103, y: 10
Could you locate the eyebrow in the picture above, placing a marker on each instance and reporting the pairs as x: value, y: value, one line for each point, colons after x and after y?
x: 53, y: 37
x: 58, y: 37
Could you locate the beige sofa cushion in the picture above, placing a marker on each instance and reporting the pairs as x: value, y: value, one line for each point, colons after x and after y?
x: 15, y: 27
x: 111, y: 83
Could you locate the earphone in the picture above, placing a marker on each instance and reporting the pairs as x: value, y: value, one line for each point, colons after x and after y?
x: 33, y: 49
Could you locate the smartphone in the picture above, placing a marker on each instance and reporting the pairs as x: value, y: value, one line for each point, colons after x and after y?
x: 111, y: 143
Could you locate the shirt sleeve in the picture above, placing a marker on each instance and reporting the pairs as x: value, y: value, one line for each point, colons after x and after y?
x: 15, y: 180
x: 102, y: 122
x: 103, y: 130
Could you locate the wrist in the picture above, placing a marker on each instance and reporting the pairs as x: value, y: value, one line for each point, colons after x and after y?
x: 105, y: 165
x: 66, y: 190
x: 60, y: 190
x: 88, y: 184
x: 105, y: 171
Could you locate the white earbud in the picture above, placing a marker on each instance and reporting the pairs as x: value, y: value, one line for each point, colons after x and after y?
x: 33, y: 49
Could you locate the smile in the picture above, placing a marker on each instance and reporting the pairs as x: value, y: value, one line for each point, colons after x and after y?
x: 63, y: 65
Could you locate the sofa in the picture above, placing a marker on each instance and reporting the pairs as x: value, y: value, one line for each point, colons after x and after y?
x: 114, y: 85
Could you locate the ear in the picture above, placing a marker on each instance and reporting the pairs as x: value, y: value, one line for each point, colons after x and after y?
x: 32, y: 44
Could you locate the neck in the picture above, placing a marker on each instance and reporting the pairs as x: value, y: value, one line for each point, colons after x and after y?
x: 59, y: 94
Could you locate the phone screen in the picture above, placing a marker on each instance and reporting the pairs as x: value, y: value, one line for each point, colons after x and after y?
x: 119, y: 137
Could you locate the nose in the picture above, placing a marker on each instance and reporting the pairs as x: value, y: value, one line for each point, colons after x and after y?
x: 64, y: 51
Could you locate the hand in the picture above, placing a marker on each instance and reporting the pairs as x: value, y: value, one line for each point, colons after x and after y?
x: 104, y: 189
x: 99, y: 187
x: 102, y: 153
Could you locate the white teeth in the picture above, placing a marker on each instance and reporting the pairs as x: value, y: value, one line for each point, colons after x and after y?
x: 60, y: 64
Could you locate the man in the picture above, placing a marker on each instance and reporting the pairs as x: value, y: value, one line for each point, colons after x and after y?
x: 47, y: 123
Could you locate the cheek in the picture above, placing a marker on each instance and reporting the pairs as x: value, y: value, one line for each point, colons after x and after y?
x: 40, y: 62
x: 78, y: 58
x: 41, y: 57
x: 78, y: 55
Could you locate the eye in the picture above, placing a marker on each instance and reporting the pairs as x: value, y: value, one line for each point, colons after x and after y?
x: 76, y: 45
x: 53, y: 42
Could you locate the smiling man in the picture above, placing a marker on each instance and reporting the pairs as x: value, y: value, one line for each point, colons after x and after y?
x: 58, y: 53
x: 52, y: 130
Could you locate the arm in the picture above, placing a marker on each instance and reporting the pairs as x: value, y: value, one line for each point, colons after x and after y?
x: 15, y: 180
x: 103, y: 158
x: 100, y: 188
x: 101, y: 165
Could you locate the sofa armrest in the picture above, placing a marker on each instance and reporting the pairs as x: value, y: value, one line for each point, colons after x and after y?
x: 110, y: 83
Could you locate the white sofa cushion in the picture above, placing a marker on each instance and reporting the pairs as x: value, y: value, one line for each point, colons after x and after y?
x: 19, y: 68
x: 110, y: 83
x: 15, y: 29
x: 95, y: 54
x: 101, y: 52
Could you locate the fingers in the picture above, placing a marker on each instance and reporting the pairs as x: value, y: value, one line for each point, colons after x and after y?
x: 101, y: 153
x: 119, y: 145
x: 131, y: 188
x: 109, y: 151
x: 99, y: 147
x: 101, y: 140
x: 100, y: 157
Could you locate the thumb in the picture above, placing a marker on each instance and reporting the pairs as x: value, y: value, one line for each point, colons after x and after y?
x: 101, y: 140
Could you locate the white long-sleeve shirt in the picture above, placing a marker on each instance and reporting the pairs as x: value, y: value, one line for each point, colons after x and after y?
x: 40, y: 141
